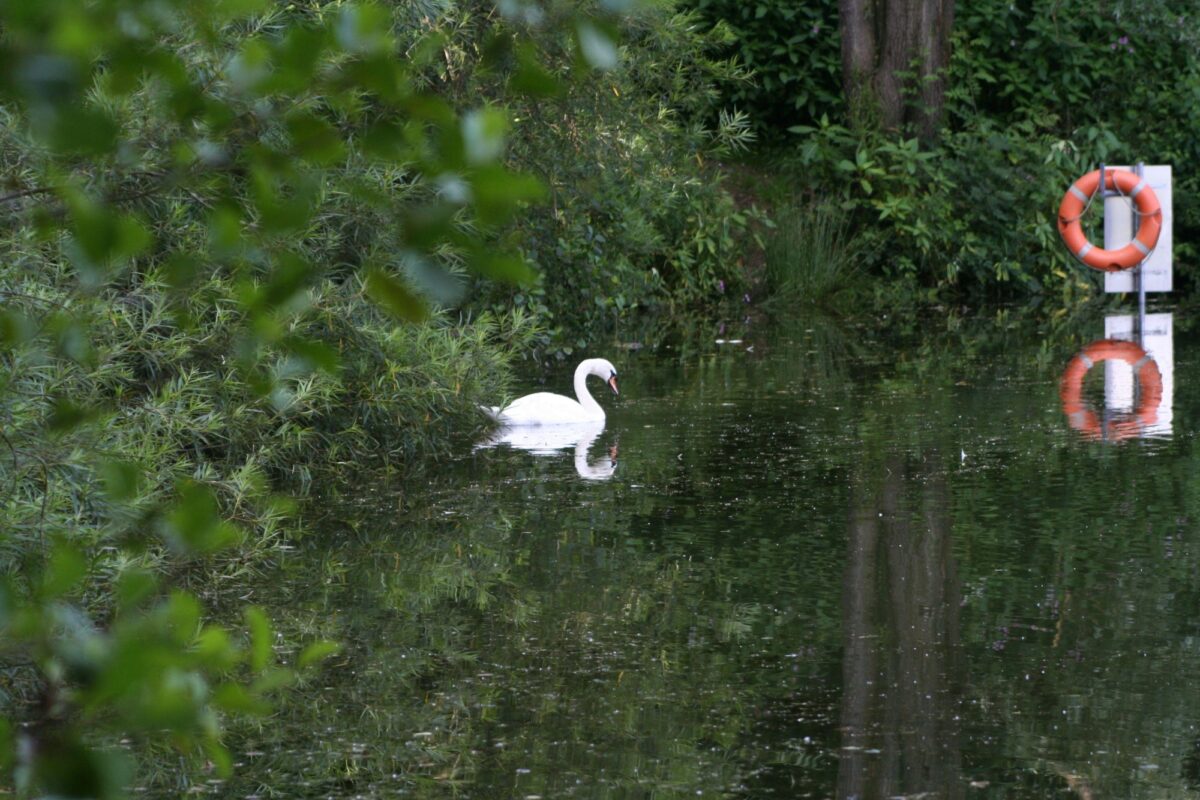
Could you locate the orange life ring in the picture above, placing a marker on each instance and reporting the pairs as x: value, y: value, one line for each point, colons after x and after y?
x: 1076, y: 200
x: 1083, y: 419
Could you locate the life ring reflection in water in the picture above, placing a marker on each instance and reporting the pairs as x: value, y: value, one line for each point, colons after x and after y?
x: 1122, y: 426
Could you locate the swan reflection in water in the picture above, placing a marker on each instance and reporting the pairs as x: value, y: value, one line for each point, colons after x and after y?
x: 549, y: 440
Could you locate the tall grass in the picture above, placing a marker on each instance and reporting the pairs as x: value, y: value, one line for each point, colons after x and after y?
x: 117, y: 398
x: 813, y: 256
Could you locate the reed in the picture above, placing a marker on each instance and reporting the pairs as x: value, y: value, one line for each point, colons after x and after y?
x: 813, y: 256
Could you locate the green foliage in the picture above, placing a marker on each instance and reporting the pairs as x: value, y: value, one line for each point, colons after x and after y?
x: 201, y: 199
x: 153, y: 666
x: 794, y: 51
x: 1113, y: 79
x: 637, y: 219
x: 811, y: 257
x: 975, y: 209
x: 1035, y: 97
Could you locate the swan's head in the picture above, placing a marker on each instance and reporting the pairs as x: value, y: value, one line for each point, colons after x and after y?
x: 604, y: 368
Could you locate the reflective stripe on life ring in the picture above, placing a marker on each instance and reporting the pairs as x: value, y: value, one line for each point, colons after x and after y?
x: 1149, y: 227
x: 1149, y: 379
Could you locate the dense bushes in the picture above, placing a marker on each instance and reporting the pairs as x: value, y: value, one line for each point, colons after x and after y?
x: 212, y: 215
x: 1036, y: 96
x: 637, y: 219
x: 126, y: 388
x: 794, y: 50
x: 974, y: 212
x: 1112, y: 80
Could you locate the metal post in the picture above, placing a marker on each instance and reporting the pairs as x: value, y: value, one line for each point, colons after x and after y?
x: 1138, y: 280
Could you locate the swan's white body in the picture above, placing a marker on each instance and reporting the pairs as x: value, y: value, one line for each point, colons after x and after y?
x: 546, y: 408
x: 544, y: 440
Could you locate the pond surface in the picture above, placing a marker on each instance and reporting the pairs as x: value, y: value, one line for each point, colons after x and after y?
x: 809, y: 560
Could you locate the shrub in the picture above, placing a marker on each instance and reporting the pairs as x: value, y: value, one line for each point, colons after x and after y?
x: 637, y: 220
x: 974, y: 213
x: 793, y: 49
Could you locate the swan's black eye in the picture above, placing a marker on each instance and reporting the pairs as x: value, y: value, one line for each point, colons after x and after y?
x: 614, y: 373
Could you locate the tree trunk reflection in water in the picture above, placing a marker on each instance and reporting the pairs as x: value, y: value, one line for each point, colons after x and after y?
x: 901, y: 598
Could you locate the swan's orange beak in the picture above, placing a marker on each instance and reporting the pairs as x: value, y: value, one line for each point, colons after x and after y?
x: 612, y: 382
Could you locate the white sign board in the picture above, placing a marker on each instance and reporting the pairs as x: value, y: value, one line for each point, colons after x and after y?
x: 1118, y: 232
x: 1158, y: 342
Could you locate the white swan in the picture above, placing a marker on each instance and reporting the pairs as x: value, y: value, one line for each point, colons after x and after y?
x: 545, y: 408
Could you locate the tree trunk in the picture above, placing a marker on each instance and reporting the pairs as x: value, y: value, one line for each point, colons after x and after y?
x: 894, y: 56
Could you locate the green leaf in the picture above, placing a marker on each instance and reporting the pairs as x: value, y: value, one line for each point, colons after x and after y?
x: 386, y: 141
x: 182, y: 271
x: 194, y: 524
x: 15, y: 328
x: 427, y: 227
x: 66, y: 416
x: 316, y: 354
x: 296, y: 59
x: 220, y: 757
x: 502, y: 267
x: 182, y: 614
x: 225, y: 228
x: 271, y: 680
x: 235, y: 699
x: 71, y: 339
x: 281, y: 209
x: 531, y: 78
x: 292, y: 274
x: 498, y: 193
x: 596, y: 45
x: 6, y: 745
x: 215, y: 649
x: 363, y: 28
x: 483, y: 132
x: 83, y: 131
x: 120, y: 479
x: 65, y: 767
x: 101, y: 236
x: 261, y: 638
x: 227, y: 10
x: 433, y: 109
x: 394, y: 297
x: 65, y: 569
x: 250, y: 68
x: 315, y: 139
x: 134, y: 586
x: 316, y: 653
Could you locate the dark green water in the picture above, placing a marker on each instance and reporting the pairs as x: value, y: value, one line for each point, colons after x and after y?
x: 828, y: 563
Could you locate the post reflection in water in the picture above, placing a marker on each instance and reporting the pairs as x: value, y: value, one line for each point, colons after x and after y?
x: 1138, y: 381
x: 901, y: 597
x: 549, y: 440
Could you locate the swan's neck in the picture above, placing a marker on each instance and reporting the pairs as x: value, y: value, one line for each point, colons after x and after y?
x: 581, y: 391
